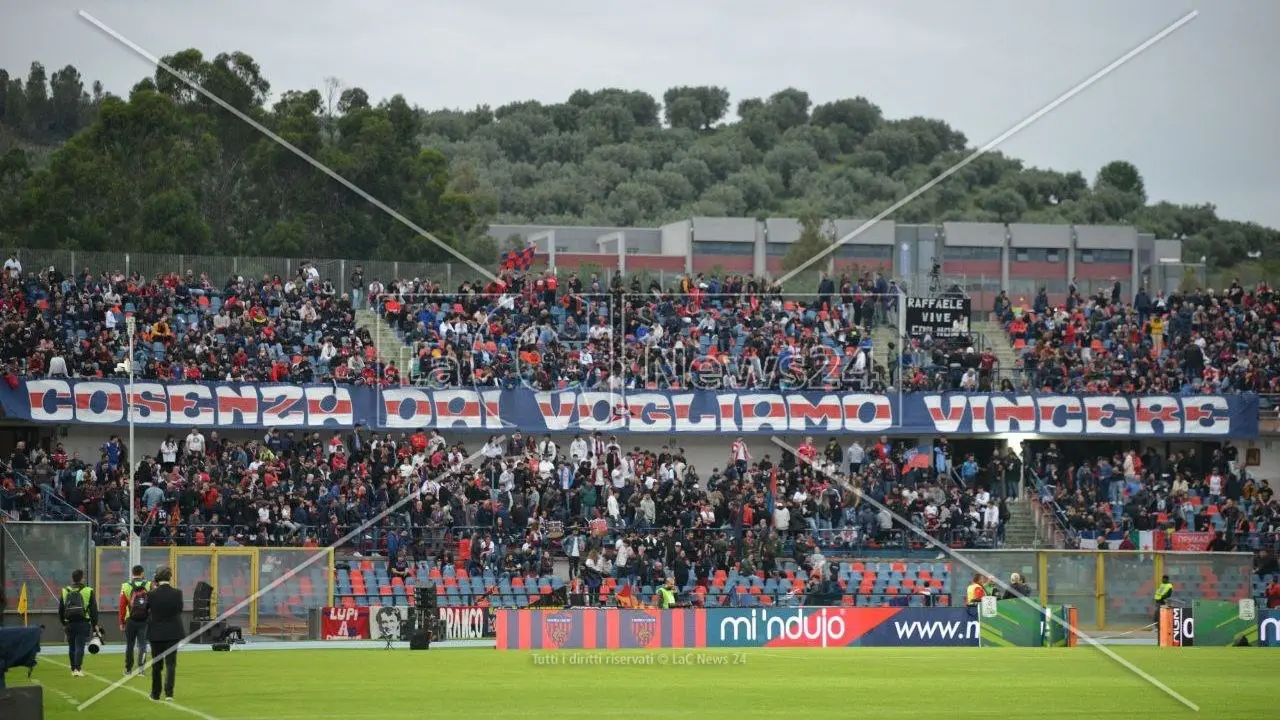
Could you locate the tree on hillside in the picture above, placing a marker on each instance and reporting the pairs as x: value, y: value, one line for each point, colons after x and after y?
x: 1121, y: 175
x: 99, y: 172
x: 816, y: 235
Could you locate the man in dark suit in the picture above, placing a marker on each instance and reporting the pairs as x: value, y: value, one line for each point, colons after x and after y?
x: 164, y: 631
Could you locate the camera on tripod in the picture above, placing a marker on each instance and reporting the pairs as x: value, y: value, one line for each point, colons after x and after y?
x: 94, y: 646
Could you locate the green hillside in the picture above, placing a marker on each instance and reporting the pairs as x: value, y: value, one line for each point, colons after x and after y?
x: 169, y: 170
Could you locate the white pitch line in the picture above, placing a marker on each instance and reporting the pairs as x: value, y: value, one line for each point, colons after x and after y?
x: 104, y: 681
x: 1153, y: 681
x: 270, y: 586
x: 153, y: 59
x: 999, y: 139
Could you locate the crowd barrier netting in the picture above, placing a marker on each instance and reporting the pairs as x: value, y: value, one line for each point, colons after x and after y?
x: 236, y: 574
x: 42, y: 556
x: 1114, y: 589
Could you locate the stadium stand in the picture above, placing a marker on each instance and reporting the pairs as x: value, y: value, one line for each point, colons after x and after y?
x: 751, y: 533
x: 296, y: 329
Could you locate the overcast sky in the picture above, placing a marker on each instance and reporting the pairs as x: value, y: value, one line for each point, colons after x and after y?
x: 1193, y: 112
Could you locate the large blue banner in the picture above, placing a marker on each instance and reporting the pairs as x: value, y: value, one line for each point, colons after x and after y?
x: 1269, y: 628
x: 247, y: 406
x: 842, y: 627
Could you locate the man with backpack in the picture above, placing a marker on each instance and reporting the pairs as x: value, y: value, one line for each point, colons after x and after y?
x: 78, y: 612
x: 135, y: 611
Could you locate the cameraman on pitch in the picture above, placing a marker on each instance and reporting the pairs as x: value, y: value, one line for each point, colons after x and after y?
x: 135, y: 610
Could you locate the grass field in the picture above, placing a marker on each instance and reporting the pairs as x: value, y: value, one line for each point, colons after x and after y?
x: 863, y: 682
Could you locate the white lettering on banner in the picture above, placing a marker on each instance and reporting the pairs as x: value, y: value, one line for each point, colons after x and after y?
x: 882, y: 415
x: 588, y: 411
x: 316, y: 406
x: 151, y: 406
x: 825, y: 413
x: 684, y: 423
x: 1269, y: 632
x: 954, y: 304
x: 764, y: 626
x: 1008, y: 411
x: 650, y: 412
x: 946, y: 421
x: 763, y: 410
x: 1073, y: 424
x: 282, y: 406
x: 111, y: 410
x: 465, y: 623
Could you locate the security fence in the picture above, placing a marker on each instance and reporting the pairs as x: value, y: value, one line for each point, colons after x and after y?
x: 41, y: 556
x: 1114, y: 589
x: 240, y: 576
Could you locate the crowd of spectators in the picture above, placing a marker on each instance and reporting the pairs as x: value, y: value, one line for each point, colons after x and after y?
x: 611, y: 510
x: 547, y: 331
x: 1196, y: 341
x: 1103, y: 498
x: 523, y: 500
x: 277, y: 329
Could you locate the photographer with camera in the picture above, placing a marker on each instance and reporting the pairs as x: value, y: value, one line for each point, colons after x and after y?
x: 78, y: 613
x: 135, y: 611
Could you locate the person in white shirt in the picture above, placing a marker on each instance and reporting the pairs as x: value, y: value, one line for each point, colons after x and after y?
x: 578, y: 450
x: 648, y: 511
x: 13, y: 266
x: 611, y: 505
x: 739, y: 455
x: 492, y: 448
x: 854, y: 457
x: 58, y: 367
x: 781, y: 518
x: 982, y: 498
x: 547, y: 449
x: 195, y: 443
x: 991, y: 517
x: 169, y: 453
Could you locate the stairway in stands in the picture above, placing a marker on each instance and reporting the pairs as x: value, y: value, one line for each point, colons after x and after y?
x: 881, y: 336
x: 390, y: 346
x: 997, y: 339
x: 1020, y: 531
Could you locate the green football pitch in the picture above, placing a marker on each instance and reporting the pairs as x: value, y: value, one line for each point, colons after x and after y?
x: 857, y: 682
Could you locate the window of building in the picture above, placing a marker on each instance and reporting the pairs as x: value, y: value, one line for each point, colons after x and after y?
x: 704, y: 247
x: 987, y: 252
x: 867, y: 252
x: 1111, y: 257
x: 1045, y: 255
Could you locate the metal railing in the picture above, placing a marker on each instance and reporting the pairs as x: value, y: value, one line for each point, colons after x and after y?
x: 980, y: 287
x: 1051, y: 519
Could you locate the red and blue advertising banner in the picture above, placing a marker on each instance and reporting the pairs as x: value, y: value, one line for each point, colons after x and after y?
x: 596, y: 628
x: 326, y: 406
x: 342, y: 623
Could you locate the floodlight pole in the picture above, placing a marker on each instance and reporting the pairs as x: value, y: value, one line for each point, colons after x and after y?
x: 135, y: 548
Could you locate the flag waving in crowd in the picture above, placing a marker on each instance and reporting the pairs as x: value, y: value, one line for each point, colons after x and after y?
x: 520, y: 260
